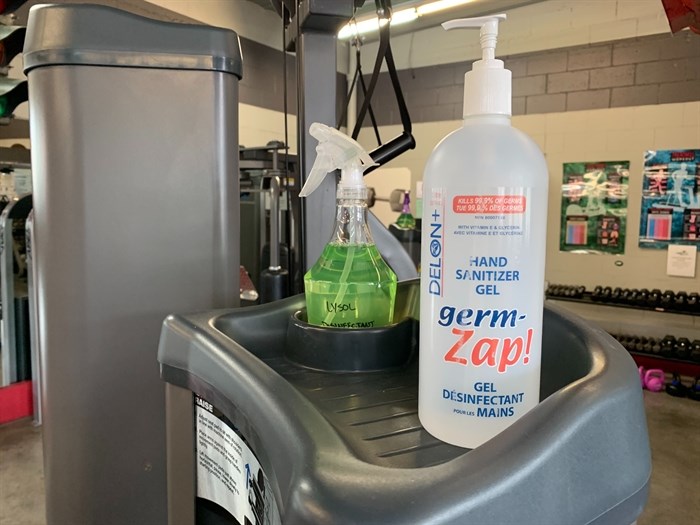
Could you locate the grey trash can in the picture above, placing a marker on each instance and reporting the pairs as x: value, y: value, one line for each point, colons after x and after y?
x: 134, y: 132
x: 345, y: 446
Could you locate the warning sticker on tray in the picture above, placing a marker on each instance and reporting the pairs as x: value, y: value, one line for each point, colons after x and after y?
x: 228, y: 473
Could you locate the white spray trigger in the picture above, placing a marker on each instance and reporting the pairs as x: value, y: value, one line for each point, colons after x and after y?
x: 335, y: 150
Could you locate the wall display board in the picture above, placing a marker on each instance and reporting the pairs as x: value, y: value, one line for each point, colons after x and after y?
x: 670, y: 198
x: 594, y: 207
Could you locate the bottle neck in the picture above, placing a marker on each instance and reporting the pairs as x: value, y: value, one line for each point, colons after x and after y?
x: 351, y: 226
x: 487, y: 119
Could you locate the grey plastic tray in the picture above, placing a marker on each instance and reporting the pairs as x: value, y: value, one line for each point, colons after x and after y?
x: 349, y: 448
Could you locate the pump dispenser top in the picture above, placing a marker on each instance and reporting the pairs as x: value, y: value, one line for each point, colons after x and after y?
x: 487, y: 87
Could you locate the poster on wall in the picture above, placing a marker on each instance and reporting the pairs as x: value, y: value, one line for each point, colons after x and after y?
x: 670, y: 198
x: 594, y: 207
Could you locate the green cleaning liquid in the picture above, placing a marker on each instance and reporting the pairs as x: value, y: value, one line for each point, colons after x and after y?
x: 350, y: 286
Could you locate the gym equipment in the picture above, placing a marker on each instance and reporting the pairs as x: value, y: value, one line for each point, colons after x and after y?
x: 347, y: 447
x: 680, y: 300
x: 632, y: 296
x: 676, y: 388
x: 639, y: 345
x: 642, y: 297
x: 134, y: 131
x: 694, y: 353
x: 667, y: 298
x: 615, y: 295
x: 668, y: 345
x: 15, y: 348
x: 654, y: 380
x: 654, y: 298
x: 605, y: 295
x: 694, y: 390
x: 693, y: 302
x: 597, y: 293
x: 682, y: 348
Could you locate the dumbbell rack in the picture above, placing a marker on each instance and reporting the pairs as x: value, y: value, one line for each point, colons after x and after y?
x: 587, y: 298
x: 579, y: 295
x: 667, y: 364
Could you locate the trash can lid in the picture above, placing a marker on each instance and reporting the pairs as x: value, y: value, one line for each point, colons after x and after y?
x: 84, y: 34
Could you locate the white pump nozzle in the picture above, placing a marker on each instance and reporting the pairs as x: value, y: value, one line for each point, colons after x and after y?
x: 487, y: 88
x: 336, y: 150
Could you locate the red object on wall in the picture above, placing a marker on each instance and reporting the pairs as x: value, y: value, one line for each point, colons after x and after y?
x: 16, y: 401
x: 683, y: 13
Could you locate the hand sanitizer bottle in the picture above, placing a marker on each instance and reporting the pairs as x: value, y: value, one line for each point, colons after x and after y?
x: 350, y: 286
x: 483, y: 256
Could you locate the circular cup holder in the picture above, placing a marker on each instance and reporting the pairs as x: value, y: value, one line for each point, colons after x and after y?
x: 350, y: 349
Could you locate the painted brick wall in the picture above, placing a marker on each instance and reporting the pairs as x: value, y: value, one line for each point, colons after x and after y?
x: 656, y: 69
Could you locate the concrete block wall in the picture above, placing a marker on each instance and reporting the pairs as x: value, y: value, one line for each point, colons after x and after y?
x: 623, y: 133
x: 658, y: 69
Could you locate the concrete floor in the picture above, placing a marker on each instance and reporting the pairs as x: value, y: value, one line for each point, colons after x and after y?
x: 674, y: 431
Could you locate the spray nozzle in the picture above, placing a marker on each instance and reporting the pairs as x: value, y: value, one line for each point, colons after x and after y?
x: 336, y: 150
x: 488, y: 34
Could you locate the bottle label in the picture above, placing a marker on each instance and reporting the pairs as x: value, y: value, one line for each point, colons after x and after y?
x: 481, y: 289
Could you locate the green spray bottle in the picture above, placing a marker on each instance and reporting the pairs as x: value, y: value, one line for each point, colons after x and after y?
x: 350, y: 286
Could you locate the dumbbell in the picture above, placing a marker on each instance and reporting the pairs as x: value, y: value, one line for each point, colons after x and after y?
x: 597, y: 292
x: 632, y: 296
x: 624, y: 295
x: 648, y: 344
x: 642, y: 297
x: 639, y: 344
x: 667, y: 299
x: 668, y: 343
x: 694, y: 353
x: 694, y: 390
x: 605, y: 294
x: 679, y: 302
x: 693, y: 302
x: 654, y: 298
x: 682, y: 348
x: 615, y: 295
x: 656, y: 346
x: 630, y: 343
x: 580, y: 290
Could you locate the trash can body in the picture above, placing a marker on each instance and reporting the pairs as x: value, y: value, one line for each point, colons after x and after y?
x: 134, y: 128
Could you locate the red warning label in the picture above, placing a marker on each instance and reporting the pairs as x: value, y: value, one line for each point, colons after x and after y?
x: 488, y: 204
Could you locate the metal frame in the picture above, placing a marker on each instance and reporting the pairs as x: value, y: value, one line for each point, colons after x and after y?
x: 18, y: 209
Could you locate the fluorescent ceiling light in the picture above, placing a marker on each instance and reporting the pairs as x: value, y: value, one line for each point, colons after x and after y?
x: 403, y: 16
x: 398, y: 17
x: 372, y: 24
x: 440, y: 5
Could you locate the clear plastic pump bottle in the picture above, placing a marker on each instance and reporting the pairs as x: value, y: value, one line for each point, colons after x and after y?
x: 350, y: 286
x: 482, y: 263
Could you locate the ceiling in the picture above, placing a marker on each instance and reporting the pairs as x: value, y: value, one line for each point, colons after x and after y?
x: 474, y: 8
